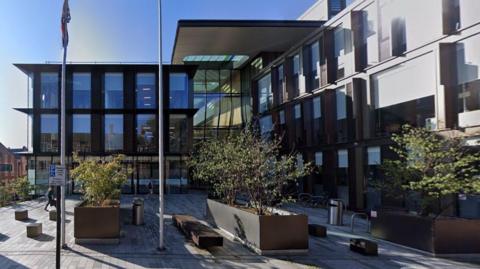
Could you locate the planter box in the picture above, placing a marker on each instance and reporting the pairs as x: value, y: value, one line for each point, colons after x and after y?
x: 96, y: 224
x: 443, y: 235
x: 266, y: 235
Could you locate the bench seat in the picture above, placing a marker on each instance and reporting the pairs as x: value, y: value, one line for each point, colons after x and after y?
x: 202, y: 235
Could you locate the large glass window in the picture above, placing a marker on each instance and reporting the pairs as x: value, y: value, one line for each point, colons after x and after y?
x: 281, y: 115
x: 146, y: 129
x: 314, y: 76
x: 319, y: 158
x: 81, y: 138
x: 341, y: 100
x: 280, y: 83
x: 178, y: 139
x: 342, y: 164
x: 342, y: 47
x: 264, y: 94
x: 373, y: 164
x: 82, y: 87
x: 49, y: 90
x: 266, y: 125
x: 394, y: 106
x: 296, y: 73
x: 370, y: 33
x: 113, y: 87
x: 179, y: 90
x: 146, y: 91
x: 49, y: 133
x: 113, y: 132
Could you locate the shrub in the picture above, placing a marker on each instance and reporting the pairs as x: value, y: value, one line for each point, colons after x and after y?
x: 248, y: 164
x: 100, y: 181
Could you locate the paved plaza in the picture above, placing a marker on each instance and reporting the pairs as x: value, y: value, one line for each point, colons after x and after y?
x: 137, y: 248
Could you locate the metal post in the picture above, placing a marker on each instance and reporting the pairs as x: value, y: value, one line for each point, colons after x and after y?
x: 59, y: 219
x: 160, y: 131
x: 62, y: 145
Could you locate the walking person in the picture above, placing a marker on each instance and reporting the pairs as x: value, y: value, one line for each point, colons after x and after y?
x: 51, y: 200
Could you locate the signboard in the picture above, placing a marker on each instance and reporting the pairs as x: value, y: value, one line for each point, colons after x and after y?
x: 57, y: 175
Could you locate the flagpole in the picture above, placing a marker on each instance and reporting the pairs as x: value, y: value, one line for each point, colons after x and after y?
x: 161, y: 200
x: 62, y: 141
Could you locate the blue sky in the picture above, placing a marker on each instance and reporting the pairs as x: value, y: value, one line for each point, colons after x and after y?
x: 101, y: 30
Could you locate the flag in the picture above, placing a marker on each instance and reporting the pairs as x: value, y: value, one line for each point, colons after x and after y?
x: 65, y: 19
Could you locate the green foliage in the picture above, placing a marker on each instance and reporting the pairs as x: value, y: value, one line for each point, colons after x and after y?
x: 434, y: 166
x: 101, y: 181
x: 247, y: 164
x: 22, y: 188
x: 5, y: 194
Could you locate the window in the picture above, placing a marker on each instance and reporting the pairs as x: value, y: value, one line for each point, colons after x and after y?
x: 146, y: 129
x: 113, y: 132
x: 343, y: 158
x: 281, y: 115
x: 179, y: 94
x: 296, y: 74
x: 178, y: 139
x: 314, y: 76
x: 81, y: 140
x: 317, y: 108
x: 341, y: 101
x: 49, y: 90
x: 49, y: 133
x: 82, y: 87
x: 298, y: 111
x: 370, y: 33
x: 339, y: 50
x: 5, y: 167
x: 373, y: 156
x: 266, y: 126
x: 213, y: 80
x: 280, y: 84
x: 300, y: 161
x: 146, y: 91
x: 113, y: 87
x: 342, y: 167
x: 319, y: 158
x: 394, y: 106
x: 264, y: 94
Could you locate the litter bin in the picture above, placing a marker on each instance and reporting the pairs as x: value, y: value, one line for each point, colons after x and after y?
x: 335, y: 212
x: 138, y: 211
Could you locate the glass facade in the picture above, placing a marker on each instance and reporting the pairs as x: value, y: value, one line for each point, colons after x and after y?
x: 113, y: 131
x: 82, y: 88
x: 314, y: 68
x: 341, y: 100
x: 49, y: 93
x: 146, y: 133
x: 179, y: 93
x: 113, y: 89
x: 81, y: 133
x: 49, y: 138
x: 295, y: 60
x: 218, y: 100
x: 146, y: 91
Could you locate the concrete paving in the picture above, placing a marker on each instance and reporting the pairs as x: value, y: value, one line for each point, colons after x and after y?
x: 138, y: 245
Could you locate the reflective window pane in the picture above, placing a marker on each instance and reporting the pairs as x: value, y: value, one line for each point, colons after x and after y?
x: 265, y: 95
x: 236, y: 111
x: 81, y: 138
x: 199, y: 101
x: 199, y: 81
x: 49, y: 133
x: 113, y: 86
x: 113, y: 132
x: 341, y: 98
x: 178, y: 141
x: 82, y: 86
x: 212, y: 110
x: 146, y: 90
x: 213, y: 80
x: 266, y: 125
x: 298, y: 111
x: 178, y: 90
x: 49, y: 90
x: 317, y: 108
x: 146, y: 130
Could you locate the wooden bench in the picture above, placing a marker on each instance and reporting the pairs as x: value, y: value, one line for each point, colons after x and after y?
x: 364, y: 246
x: 34, y: 229
x: 202, y: 235
x: 317, y: 230
x: 52, y: 215
x: 21, y: 214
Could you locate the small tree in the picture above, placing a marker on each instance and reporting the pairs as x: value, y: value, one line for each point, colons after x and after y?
x: 434, y: 166
x: 22, y: 188
x: 246, y: 163
x: 101, y: 181
x: 5, y: 194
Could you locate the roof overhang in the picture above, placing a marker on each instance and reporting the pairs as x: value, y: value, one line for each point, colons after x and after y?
x: 238, y: 37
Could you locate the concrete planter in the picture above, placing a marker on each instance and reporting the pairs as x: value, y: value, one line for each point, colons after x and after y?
x: 97, y: 224
x: 439, y: 236
x: 266, y: 235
